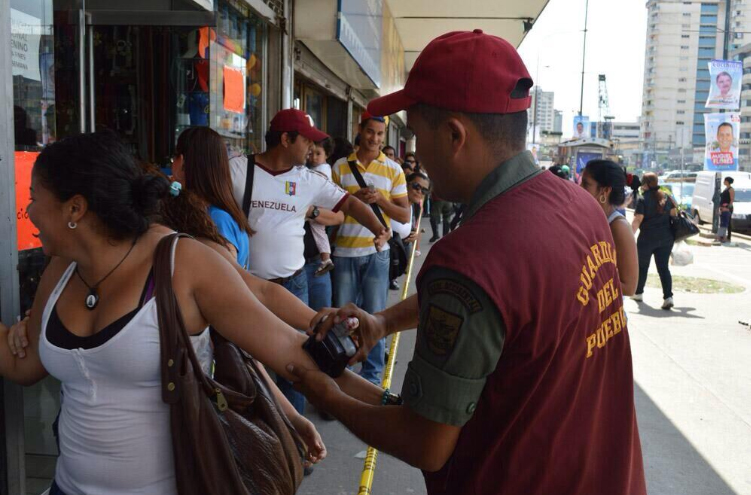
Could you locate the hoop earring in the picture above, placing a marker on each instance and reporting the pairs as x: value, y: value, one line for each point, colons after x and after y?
x: 603, y: 200
x: 72, y: 225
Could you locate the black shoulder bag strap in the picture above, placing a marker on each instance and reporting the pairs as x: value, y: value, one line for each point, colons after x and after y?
x: 249, y: 184
x: 361, y: 183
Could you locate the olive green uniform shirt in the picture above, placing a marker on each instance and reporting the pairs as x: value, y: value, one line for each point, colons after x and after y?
x: 447, y: 373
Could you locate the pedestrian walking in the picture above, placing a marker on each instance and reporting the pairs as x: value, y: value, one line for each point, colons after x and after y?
x: 522, y: 347
x: 606, y: 182
x: 201, y: 165
x: 418, y: 187
x: 362, y: 272
x: 94, y: 209
x: 280, y: 194
x: 652, y: 219
x: 440, y: 216
x: 727, y: 197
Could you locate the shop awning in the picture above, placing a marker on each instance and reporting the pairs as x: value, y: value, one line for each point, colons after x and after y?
x: 420, y: 21
x: 362, y: 41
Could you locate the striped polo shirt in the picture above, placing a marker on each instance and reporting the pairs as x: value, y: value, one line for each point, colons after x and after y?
x: 386, y: 175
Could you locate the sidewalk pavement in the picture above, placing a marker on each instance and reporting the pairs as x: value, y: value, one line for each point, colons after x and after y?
x: 693, y: 391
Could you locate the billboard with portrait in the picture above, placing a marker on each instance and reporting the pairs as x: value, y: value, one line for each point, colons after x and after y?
x: 581, y: 127
x: 722, y: 134
x: 725, y: 87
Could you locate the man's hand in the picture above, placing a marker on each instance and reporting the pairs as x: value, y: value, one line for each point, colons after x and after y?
x: 382, y: 238
x: 368, y: 196
x: 318, y: 387
x: 370, y: 330
x: 18, y: 339
x: 316, y: 449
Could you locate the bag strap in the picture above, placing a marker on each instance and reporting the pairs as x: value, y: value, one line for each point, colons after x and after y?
x: 249, y: 184
x: 175, y: 345
x: 361, y: 183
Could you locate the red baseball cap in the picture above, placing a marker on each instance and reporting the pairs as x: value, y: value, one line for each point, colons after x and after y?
x: 463, y: 71
x: 293, y: 120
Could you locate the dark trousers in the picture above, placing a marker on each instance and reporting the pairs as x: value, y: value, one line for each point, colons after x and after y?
x: 661, y: 251
x: 440, y: 212
x: 55, y: 490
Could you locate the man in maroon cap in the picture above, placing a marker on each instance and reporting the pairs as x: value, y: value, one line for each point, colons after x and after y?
x: 521, y: 380
x: 277, y: 199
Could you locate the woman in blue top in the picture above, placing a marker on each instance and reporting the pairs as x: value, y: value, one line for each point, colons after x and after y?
x: 201, y: 165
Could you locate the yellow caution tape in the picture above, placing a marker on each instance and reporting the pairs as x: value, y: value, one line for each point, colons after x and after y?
x: 368, y: 470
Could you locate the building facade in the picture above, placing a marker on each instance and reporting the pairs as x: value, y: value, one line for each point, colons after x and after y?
x: 743, y: 53
x: 682, y: 37
x: 149, y: 69
x: 542, y: 105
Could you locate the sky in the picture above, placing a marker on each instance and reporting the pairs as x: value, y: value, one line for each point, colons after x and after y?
x: 616, y: 40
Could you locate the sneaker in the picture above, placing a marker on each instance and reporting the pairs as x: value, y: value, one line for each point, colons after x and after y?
x: 637, y: 297
x: 668, y: 303
x: 393, y: 285
x: 417, y: 253
x: 434, y: 238
x: 324, y: 268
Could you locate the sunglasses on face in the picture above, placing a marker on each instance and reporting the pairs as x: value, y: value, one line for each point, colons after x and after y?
x: 418, y: 187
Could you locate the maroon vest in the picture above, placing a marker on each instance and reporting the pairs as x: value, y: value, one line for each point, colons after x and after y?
x: 557, y: 414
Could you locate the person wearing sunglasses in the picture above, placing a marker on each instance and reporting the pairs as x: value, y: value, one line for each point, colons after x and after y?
x: 418, y: 188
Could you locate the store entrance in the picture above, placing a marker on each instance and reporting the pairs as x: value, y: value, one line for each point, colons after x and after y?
x: 149, y: 82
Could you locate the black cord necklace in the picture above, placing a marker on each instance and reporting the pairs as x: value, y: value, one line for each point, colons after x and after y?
x: 92, y: 298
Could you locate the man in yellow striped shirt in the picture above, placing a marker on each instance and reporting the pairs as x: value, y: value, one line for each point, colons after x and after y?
x: 362, y: 274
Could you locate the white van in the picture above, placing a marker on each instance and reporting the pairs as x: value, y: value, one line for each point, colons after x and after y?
x: 742, y: 205
x: 709, y: 185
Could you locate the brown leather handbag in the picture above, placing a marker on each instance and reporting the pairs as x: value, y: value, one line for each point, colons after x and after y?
x: 229, y: 435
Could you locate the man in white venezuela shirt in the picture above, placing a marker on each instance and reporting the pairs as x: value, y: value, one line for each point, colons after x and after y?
x: 283, y: 192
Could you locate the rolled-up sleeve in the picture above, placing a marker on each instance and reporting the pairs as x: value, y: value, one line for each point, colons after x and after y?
x: 459, y: 341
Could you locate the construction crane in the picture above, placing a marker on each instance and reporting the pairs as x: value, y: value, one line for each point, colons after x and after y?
x: 604, y: 125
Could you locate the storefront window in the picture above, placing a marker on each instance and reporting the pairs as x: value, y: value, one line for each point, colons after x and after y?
x: 314, y: 106
x: 237, y: 77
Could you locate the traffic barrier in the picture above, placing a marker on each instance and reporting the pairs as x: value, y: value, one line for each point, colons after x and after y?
x: 369, y: 466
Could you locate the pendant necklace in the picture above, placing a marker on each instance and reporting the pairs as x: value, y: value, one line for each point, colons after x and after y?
x: 92, y: 298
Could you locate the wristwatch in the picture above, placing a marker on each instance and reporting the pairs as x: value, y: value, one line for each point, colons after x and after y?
x: 314, y: 214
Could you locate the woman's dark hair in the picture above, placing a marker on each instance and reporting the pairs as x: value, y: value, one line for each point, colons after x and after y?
x: 652, y: 182
x: 186, y: 213
x: 609, y: 174
x: 207, y: 173
x: 417, y: 175
x: 99, y: 167
x: 342, y: 149
x: 729, y: 180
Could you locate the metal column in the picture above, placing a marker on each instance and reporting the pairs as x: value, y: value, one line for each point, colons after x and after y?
x: 12, y: 395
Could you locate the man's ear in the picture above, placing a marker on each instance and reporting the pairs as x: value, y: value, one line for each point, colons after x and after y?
x: 458, y: 133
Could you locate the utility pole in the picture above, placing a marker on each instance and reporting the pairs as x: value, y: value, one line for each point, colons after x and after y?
x: 534, y: 113
x: 584, y: 56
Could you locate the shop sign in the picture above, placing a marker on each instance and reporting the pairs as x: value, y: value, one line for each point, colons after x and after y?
x: 26, y: 232
x: 359, y: 30
x: 25, y: 33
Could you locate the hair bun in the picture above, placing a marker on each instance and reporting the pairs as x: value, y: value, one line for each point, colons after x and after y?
x: 148, y: 190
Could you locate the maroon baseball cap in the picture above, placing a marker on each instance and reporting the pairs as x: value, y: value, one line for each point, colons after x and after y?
x: 293, y: 120
x: 463, y: 71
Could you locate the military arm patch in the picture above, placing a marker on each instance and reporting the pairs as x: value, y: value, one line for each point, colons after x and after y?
x: 457, y: 290
x: 441, y: 330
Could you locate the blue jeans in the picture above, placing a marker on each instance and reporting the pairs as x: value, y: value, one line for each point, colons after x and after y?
x: 364, y: 280
x: 298, y: 286
x: 319, y: 288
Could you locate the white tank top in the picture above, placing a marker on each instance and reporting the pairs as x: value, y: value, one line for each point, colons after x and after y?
x: 114, y: 429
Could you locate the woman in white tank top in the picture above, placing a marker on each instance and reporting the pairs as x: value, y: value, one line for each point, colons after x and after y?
x: 606, y: 182
x: 94, y: 327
